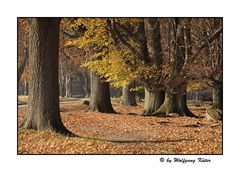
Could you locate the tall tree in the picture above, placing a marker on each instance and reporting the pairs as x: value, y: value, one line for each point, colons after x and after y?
x: 44, y: 113
x: 216, y: 75
x: 175, y: 96
x: 153, y: 96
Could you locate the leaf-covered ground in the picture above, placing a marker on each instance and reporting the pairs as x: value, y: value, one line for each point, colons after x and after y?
x: 124, y: 133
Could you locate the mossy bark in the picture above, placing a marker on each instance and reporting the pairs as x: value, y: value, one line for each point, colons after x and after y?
x: 174, y: 103
x: 153, y: 100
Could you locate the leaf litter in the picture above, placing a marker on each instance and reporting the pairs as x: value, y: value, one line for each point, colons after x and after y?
x: 123, y: 133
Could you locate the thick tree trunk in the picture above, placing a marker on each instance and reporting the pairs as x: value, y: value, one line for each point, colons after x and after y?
x: 218, y: 96
x: 153, y: 100
x: 174, y: 104
x: 100, y: 95
x: 183, y: 105
x: 128, y: 96
x: 44, y: 113
x: 170, y: 105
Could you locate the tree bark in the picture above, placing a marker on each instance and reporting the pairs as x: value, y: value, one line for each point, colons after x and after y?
x: 174, y: 103
x: 100, y: 95
x: 153, y: 100
x: 128, y: 96
x: 184, y: 110
x: 218, y: 95
x: 152, y: 32
x: 44, y: 113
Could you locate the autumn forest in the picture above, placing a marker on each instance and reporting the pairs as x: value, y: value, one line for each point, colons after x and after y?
x: 120, y: 85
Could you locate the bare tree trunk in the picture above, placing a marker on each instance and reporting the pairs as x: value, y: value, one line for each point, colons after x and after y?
x: 128, y: 96
x: 68, y: 86
x: 44, y: 113
x: 174, y: 103
x: 62, y: 83
x: 100, y: 95
x: 25, y: 87
x: 22, y: 65
x: 87, y: 85
x: 84, y: 80
x: 218, y: 95
x: 153, y: 100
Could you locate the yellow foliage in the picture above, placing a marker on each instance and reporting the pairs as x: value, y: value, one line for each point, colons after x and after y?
x: 115, y: 64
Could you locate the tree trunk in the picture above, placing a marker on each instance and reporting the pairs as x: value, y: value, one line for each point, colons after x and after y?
x: 179, y: 51
x: 86, y: 84
x: 62, y: 83
x: 84, y: 80
x: 44, y: 113
x: 183, y: 105
x: 218, y: 96
x: 174, y: 104
x: 153, y: 100
x: 129, y: 97
x: 25, y: 87
x: 21, y: 66
x: 68, y: 86
x: 100, y: 95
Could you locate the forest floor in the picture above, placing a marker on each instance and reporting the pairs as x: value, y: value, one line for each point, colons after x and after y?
x: 127, y: 132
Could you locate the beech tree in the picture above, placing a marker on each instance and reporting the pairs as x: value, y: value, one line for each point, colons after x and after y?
x: 93, y: 44
x: 179, y: 40
x: 214, y: 63
x: 160, y: 53
x: 44, y: 113
x: 100, y: 95
x: 207, y: 67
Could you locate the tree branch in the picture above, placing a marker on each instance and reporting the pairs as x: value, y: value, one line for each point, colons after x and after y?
x: 124, y: 41
x: 109, y: 25
x: 212, y: 38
